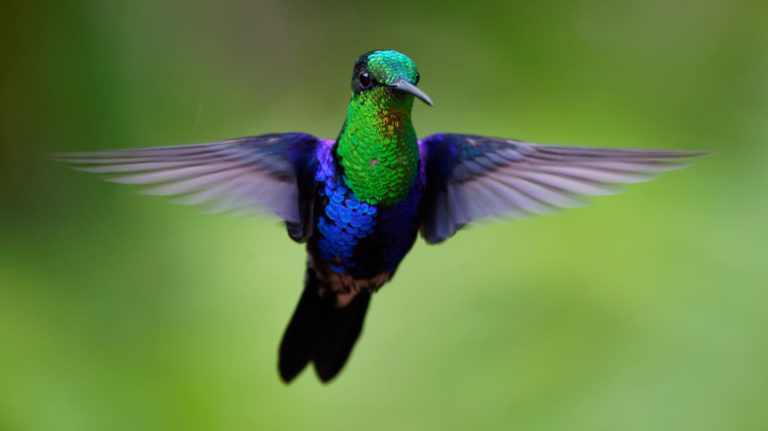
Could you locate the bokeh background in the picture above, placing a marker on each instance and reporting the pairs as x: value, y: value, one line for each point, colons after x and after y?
x: 644, y: 311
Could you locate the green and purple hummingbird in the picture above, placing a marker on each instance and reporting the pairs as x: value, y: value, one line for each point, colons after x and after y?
x: 359, y: 201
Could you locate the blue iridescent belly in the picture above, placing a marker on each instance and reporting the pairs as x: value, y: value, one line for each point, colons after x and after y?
x: 357, y: 238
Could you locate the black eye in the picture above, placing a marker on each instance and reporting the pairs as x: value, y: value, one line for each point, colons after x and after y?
x: 417, y: 78
x: 364, y: 78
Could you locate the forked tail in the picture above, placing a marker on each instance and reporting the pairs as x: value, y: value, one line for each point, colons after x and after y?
x: 320, y: 332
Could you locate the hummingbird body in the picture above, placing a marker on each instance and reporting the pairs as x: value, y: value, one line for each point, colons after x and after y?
x: 360, y: 244
x: 360, y: 201
x: 356, y: 248
x: 367, y: 219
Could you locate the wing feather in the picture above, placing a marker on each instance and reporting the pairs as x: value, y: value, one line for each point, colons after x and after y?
x: 251, y: 174
x: 473, y: 177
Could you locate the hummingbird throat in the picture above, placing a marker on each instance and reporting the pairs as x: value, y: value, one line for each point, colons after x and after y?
x: 377, y: 147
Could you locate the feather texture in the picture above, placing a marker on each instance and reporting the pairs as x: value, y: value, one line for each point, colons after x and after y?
x: 474, y: 177
x: 251, y: 174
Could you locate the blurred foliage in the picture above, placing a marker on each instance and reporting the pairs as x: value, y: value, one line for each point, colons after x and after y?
x: 645, y: 311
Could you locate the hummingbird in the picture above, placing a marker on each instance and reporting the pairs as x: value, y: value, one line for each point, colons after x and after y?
x: 359, y: 201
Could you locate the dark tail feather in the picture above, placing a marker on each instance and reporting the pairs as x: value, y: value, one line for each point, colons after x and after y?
x: 339, y: 336
x: 303, y: 330
x: 320, y: 332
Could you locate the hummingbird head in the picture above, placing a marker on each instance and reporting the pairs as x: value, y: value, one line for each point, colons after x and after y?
x: 387, y: 71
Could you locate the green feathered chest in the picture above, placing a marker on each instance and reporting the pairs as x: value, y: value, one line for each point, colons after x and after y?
x: 379, y: 152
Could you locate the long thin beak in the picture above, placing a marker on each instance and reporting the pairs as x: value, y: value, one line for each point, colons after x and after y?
x: 406, y: 86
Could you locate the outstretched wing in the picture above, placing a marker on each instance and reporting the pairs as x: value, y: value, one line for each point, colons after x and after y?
x: 474, y: 177
x: 273, y: 172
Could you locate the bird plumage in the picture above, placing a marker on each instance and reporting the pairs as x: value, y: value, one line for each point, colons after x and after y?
x: 359, y: 201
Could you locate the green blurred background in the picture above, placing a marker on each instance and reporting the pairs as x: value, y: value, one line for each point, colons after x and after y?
x: 644, y: 311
